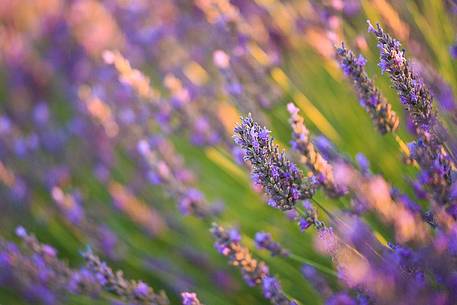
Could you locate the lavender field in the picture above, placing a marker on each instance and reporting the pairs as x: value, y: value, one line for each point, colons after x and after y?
x: 228, y: 152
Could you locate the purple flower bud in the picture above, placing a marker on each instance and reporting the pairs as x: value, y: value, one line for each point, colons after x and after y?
x: 190, y: 298
x: 49, y: 251
x: 21, y: 232
x: 304, y: 224
x: 141, y: 289
x: 453, y: 51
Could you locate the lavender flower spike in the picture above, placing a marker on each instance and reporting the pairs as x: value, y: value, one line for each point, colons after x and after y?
x: 190, y: 298
x: 282, y: 180
x: 131, y: 291
x: 429, y: 151
x: 228, y: 244
x: 264, y: 240
x: 272, y: 290
x: 385, y: 119
x: 309, y: 155
x: 254, y: 272
x: 413, y: 94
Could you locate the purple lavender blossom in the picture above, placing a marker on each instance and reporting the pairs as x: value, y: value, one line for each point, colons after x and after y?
x: 318, y: 282
x: 304, y: 224
x: 370, y: 97
x: 282, y: 180
x: 272, y: 290
x: 363, y: 163
x: 190, y: 298
x: 227, y: 244
x: 316, y: 163
x: 429, y: 151
x: 413, y: 94
x: 453, y: 51
x: 264, y: 240
x: 36, y: 271
x: 115, y: 283
x: 341, y: 299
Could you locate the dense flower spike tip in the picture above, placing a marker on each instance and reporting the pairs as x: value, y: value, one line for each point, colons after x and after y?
x: 228, y: 244
x: 114, y: 282
x: 282, y: 180
x: 301, y: 142
x: 190, y: 298
x: 385, y: 119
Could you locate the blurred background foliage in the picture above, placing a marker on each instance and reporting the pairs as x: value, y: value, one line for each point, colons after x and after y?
x: 53, y: 145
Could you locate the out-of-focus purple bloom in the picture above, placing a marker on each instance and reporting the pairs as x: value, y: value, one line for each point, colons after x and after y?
x: 141, y: 289
x: 41, y: 113
x: 190, y: 298
x: 341, y: 299
x: 370, y: 97
x: 304, y: 224
x: 309, y: 155
x: 440, y: 89
x: 327, y: 149
x: 264, y: 240
x: 21, y: 232
x: 453, y: 51
x: 363, y: 163
x: 272, y: 290
x: 228, y: 245
x: 115, y: 283
x: 186, y: 203
x: 5, y: 124
x: 318, y: 282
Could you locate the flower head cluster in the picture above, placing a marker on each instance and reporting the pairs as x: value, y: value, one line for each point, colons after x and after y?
x: 370, y: 97
x: 282, y: 180
x: 309, y: 155
x: 114, y: 282
x: 263, y: 240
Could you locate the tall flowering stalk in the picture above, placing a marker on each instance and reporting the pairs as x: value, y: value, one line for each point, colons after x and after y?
x: 114, y: 282
x: 228, y: 244
x: 37, y: 272
x: 254, y: 272
x: 282, y: 180
x: 413, y: 94
x: 309, y: 154
x: 429, y: 150
x: 385, y: 119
